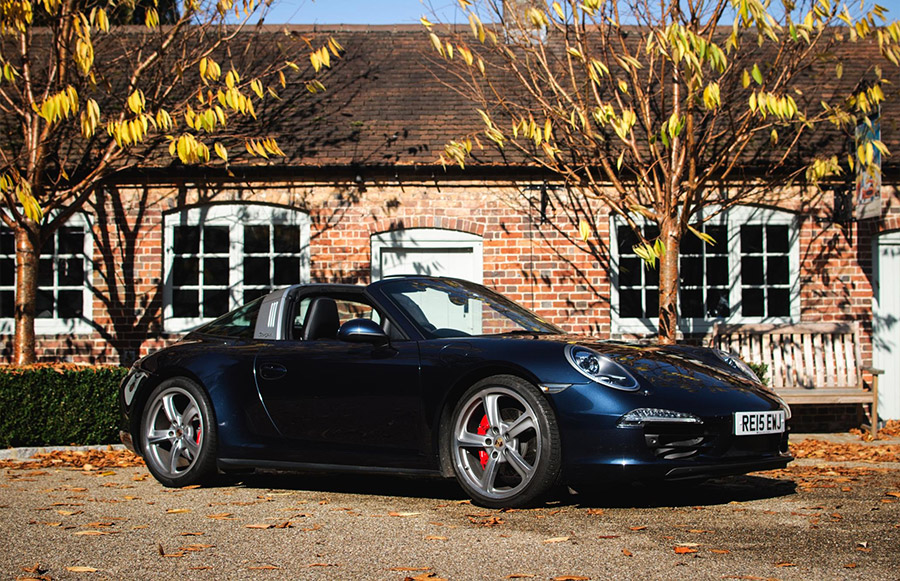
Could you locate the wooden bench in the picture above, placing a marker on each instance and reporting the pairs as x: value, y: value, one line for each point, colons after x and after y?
x: 809, y: 363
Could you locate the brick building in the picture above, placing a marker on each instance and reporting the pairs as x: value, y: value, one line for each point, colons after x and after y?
x: 361, y: 196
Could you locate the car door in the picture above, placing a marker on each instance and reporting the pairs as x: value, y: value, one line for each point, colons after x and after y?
x: 336, y: 402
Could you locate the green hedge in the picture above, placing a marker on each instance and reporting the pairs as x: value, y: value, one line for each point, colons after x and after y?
x: 59, y: 405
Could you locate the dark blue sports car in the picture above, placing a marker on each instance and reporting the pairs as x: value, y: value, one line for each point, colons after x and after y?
x: 423, y: 375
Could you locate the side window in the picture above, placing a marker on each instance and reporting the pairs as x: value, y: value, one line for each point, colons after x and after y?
x: 320, y: 317
x: 238, y: 324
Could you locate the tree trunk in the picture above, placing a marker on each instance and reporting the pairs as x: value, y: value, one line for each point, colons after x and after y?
x: 27, y: 260
x: 668, y: 282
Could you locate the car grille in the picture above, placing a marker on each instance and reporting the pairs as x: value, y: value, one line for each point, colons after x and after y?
x: 677, y: 441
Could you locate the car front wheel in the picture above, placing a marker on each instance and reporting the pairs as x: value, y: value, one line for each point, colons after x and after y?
x: 504, y: 443
x: 178, y: 437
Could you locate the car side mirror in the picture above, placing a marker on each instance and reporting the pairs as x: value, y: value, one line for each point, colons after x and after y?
x: 363, y: 331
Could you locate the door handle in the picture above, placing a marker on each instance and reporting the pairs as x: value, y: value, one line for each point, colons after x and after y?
x: 272, y: 371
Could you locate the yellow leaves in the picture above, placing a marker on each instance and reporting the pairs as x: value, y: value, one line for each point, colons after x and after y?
x: 223, y: 6
x: 99, y: 19
x: 702, y: 235
x: 477, y: 27
x: 151, y: 18
x: 136, y: 102
x: 90, y: 118
x: 30, y: 205
x: 821, y: 168
x: 457, y: 151
x: 189, y: 150
x: 58, y: 106
x: 263, y: 147
x: 84, y: 54
x: 575, y: 53
x: 320, y: 58
x: 426, y: 23
x: 257, y: 87
x: 221, y: 151
x: 129, y: 131
x: 649, y: 253
x: 164, y: 121
x: 711, y: 96
x: 584, y: 229
x: 9, y: 73
x: 558, y: 10
x: 764, y: 104
x: 435, y: 43
x: 209, y: 70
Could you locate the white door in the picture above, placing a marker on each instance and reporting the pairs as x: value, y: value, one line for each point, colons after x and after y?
x: 432, y: 252
x: 427, y: 251
x: 886, y: 323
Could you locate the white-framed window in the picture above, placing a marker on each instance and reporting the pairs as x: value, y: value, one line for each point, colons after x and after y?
x: 63, y: 304
x: 750, y: 275
x: 221, y: 256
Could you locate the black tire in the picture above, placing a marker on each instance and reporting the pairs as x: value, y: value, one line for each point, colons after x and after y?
x: 178, y: 434
x: 503, y: 443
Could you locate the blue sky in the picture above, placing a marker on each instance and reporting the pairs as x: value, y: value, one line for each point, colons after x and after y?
x: 357, y: 11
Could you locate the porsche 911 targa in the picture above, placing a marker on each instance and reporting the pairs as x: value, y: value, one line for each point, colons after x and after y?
x: 424, y: 375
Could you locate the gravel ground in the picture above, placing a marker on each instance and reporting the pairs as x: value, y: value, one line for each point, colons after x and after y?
x: 815, y: 520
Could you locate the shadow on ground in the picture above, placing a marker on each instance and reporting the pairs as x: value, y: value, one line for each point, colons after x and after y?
x: 627, y: 495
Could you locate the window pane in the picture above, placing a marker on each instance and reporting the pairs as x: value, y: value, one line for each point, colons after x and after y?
x: 215, y: 240
x: 692, y: 303
x: 717, y: 271
x: 215, y: 303
x: 752, y: 270
x: 7, y: 241
x: 43, y: 304
x: 630, y: 303
x: 7, y: 272
x: 651, y: 299
x: 717, y: 303
x: 720, y: 234
x: 777, y: 270
x: 287, y: 238
x: 630, y: 271
x: 256, y: 239
x: 45, y: 272
x: 692, y: 271
x: 751, y: 239
x: 186, y: 271
x: 690, y: 244
x: 250, y: 295
x: 287, y: 270
x: 7, y: 304
x: 215, y: 271
x: 70, y: 271
x: 777, y: 239
x: 70, y: 304
x: 186, y: 303
x: 752, y: 302
x: 256, y: 271
x: 71, y: 241
x: 651, y: 274
x: 627, y: 239
x: 186, y: 239
x: 779, y: 302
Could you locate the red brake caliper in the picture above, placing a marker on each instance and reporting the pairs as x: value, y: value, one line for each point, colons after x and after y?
x: 483, y: 428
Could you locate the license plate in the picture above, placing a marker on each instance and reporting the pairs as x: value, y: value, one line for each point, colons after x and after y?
x: 756, y: 423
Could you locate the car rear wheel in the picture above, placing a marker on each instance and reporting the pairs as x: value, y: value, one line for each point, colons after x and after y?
x: 503, y: 442
x: 178, y: 437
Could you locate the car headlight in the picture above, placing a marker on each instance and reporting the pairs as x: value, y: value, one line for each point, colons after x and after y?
x: 600, y: 368
x: 736, y: 363
x: 643, y: 416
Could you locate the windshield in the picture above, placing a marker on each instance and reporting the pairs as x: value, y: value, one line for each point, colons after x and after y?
x: 454, y: 308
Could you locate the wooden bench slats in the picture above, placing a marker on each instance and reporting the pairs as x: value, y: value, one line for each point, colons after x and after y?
x: 808, y: 363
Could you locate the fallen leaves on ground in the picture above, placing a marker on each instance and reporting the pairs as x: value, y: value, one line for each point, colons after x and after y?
x: 833, y: 452
x: 84, y: 459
